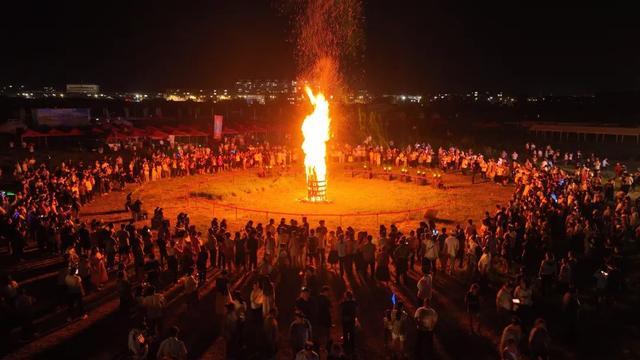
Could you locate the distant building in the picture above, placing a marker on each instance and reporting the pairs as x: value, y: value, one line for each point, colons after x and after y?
x: 83, y: 89
x: 400, y: 99
x: 272, y: 88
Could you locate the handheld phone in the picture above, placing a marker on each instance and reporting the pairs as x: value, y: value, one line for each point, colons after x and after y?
x: 516, y: 301
x: 394, y: 300
x: 554, y: 197
x: 141, y: 338
x: 434, y: 232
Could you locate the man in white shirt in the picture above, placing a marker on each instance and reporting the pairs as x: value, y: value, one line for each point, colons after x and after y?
x: 451, y: 247
x: 429, y: 254
x: 426, y: 318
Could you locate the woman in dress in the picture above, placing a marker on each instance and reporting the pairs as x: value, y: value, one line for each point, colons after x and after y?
x: 97, y: 268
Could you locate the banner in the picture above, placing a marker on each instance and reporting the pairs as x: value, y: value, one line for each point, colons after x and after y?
x: 69, y: 117
x: 217, y: 127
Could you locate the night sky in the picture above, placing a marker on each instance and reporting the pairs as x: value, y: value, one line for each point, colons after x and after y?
x: 419, y: 46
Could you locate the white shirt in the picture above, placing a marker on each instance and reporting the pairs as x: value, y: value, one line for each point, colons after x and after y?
x: 451, y: 245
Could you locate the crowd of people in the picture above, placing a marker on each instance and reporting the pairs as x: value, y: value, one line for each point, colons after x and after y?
x: 562, y: 233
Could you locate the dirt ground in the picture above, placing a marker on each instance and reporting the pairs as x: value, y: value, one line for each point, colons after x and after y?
x: 355, y: 201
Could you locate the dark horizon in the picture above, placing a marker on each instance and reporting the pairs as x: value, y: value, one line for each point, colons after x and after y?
x: 411, y: 46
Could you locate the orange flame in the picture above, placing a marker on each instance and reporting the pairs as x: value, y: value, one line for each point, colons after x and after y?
x: 315, y: 129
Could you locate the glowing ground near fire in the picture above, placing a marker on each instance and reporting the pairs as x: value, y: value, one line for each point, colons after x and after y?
x: 202, y: 196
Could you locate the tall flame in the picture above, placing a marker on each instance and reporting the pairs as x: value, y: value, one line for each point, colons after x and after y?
x: 315, y: 129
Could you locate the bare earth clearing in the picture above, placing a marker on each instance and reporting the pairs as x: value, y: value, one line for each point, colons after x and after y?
x: 354, y: 200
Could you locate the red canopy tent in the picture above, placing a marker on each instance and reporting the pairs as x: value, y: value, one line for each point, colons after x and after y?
x: 74, y: 132
x: 116, y: 135
x: 155, y: 133
x: 193, y: 132
x: 173, y: 131
x: 256, y: 129
x: 56, y: 133
x: 32, y: 134
x: 229, y: 131
x: 135, y: 132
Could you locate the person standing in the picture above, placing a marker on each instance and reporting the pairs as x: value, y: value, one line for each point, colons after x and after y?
x: 399, y: 328
x: 348, y: 311
x: 504, y: 302
x: 539, y: 340
x: 451, y: 247
x: 271, y: 334
x: 472, y: 302
x: 547, y: 272
x: 425, y: 287
x: 98, y: 269
x: 138, y: 343
x: 75, y: 292
x: 212, y: 247
x: 324, y: 318
x: 321, y: 233
x: 429, y: 254
x: 512, y: 332
x: 426, y: 319
x: 256, y: 300
x: 172, y: 347
x: 368, y: 256
x: 252, y: 246
x: 307, y: 353
x: 201, y: 264
x: 571, y: 311
x: 401, y: 258
x: 125, y: 294
x: 299, y: 332
x: 341, y: 248
x: 154, y: 305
